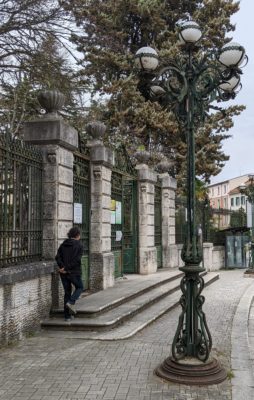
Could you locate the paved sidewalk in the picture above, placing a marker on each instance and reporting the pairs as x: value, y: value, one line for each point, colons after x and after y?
x: 242, y: 348
x: 43, y: 368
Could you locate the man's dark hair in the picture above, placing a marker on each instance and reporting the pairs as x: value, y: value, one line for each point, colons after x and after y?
x: 73, y: 232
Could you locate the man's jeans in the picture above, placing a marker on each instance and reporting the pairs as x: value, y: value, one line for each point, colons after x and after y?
x: 67, y: 281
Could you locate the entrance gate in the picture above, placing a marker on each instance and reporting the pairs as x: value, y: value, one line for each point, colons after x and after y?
x: 157, y: 223
x: 116, y: 221
x: 124, y: 215
x: 235, y: 250
x: 130, y: 226
x: 81, y: 200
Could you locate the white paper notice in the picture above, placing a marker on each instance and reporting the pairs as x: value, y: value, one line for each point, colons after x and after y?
x: 119, y: 235
x: 77, y: 218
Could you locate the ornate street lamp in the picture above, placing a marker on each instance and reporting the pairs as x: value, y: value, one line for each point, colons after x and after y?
x: 187, y: 86
x: 248, y: 191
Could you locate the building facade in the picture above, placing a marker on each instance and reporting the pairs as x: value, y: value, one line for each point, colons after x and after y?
x: 225, y: 196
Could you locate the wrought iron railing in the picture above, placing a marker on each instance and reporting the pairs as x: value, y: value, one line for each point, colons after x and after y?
x: 81, y: 195
x: 157, y: 215
x: 116, y: 196
x: 158, y: 222
x: 20, y: 201
x: 213, y: 222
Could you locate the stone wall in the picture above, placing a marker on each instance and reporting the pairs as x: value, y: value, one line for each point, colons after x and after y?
x: 25, y: 299
x: 174, y: 259
x: 147, y: 250
x: 101, y: 257
x: 57, y: 141
x: 213, y: 256
x: 218, y: 258
x: 169, y: 248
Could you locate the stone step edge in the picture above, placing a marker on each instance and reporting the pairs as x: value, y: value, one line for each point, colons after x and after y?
x: 91, y: 323
x: 111, y: 323
x: 124, y: 331
x: 115, y: 303
x: 55, y: 324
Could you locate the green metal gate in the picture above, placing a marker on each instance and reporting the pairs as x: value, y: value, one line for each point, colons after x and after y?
x: 81, y: 200
x: 130, y: 226
x: 158, y: 223
x: 124, y: 214
x: 235, y: 249
x: 116, y: 221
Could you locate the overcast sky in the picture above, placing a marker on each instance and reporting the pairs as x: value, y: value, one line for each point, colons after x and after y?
x: 240, y: 147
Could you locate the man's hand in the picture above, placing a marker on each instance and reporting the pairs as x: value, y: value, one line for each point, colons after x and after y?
x: 61, y: 270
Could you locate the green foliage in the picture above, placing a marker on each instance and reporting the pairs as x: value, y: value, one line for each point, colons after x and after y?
x: 230, y: 374
x: 17, y: 103
x: 47, y: 68
x: 238, y: 218
x: 108, y: 35
x: 201, y: 191
x: 35, y: 54
x: 112, y: 31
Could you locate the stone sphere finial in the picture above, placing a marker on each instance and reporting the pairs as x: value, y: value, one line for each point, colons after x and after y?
x: 52, y: 101
x: 96, y: 130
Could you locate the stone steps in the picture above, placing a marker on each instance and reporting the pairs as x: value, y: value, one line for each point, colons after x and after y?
x: 122, y: 318
x: 124, y: 290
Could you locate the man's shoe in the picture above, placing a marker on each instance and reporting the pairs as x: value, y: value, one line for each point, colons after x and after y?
x: 69, y: 319
x: 72, y: 308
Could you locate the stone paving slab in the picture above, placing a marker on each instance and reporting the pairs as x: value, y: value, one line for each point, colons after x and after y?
x: 42, y: 368
x: 241, y: 353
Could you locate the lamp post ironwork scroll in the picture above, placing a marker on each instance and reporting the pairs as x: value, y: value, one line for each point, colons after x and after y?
x: 248, y: 191
x: 188, y: 86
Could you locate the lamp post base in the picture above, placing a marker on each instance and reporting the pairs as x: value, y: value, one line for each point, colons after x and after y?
x: 190, y: 371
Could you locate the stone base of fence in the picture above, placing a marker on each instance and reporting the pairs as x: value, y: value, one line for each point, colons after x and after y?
x: 25, y: 299
x: 147, y: 260
x: 172, y: 256
x: 214, y: 257
x: 102, y: 266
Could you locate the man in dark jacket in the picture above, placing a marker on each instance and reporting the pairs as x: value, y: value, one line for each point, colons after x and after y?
x: 68, y: 259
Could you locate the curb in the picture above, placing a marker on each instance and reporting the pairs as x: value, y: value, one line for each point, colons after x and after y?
x: 242, y: 382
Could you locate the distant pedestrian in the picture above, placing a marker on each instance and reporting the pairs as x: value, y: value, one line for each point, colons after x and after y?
x: 68, y: 259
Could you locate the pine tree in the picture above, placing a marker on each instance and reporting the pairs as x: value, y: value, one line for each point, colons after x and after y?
x: 35, y: 54
x: 47, y: 68
x: 112, y: 31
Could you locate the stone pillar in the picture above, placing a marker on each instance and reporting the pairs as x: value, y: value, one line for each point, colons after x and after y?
x: 169, y: 249
x: 57, y: 141
x: 147, y: 249
x: 102, y: 263
x: 208, y: 256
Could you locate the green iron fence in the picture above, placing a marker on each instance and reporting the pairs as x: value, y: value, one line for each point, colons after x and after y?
x: 116, y: 220
x: 81, y: 200
x: 158, y: 223
x: 180, y: 220
x: 204, y: 220
x: 124, y: 219
x: 214, y: 222
x: 20, y: 201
